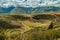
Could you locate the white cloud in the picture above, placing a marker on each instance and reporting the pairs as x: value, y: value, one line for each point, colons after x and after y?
x: 28, y: 3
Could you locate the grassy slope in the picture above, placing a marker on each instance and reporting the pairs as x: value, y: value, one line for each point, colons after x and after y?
x: 14, y: 27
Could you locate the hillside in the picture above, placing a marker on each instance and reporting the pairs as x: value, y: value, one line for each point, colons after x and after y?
x: 25, y: 26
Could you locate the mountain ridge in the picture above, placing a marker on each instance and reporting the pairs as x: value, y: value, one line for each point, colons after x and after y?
x: 30, y: 10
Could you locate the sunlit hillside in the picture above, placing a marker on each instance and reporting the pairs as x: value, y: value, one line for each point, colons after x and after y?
x: 30, y: 27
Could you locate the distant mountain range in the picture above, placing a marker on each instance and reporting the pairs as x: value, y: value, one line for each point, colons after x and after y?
x: 6, y: 10
x: 24, y: 10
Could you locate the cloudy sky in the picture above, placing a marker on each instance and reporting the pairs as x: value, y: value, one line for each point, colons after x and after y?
x: 29, y: 3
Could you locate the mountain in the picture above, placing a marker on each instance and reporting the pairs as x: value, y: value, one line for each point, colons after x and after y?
x: 24, y: 10
x: 5, y: 10
x: 30, y: 10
